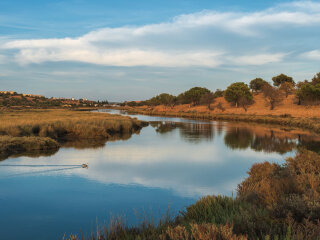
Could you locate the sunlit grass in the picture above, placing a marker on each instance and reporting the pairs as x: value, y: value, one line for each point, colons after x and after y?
x: 29, y: 129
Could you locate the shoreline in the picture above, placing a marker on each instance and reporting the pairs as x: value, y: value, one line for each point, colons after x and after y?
x: 311, y: 124
x: 24, y: 132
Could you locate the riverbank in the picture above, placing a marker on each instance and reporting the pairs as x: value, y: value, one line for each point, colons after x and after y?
x: 311, y: 123
x: 41, y: 130
x: 273, y: 202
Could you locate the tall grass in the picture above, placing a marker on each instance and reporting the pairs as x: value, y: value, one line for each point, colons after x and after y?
x: 30, y: 129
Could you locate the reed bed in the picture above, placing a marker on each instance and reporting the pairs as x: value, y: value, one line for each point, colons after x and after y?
x: 25, y: 130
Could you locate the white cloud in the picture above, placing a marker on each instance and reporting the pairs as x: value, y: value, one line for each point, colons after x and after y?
x: 259, y: 59
x: 312, y: 55
x: 178, y: 43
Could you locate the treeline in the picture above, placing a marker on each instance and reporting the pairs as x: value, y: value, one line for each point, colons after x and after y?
x: 240, y: 94
x: 13, y: 99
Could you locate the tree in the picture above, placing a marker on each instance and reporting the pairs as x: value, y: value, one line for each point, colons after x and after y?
x: 207, y: 99
x: 287, y: 88
x: 192, y: 96
x: 316, y: 79
x: 238, y: 91
x: 257, y: 84
x: 162, y: 99
x: 308, y: 93
x: 218, y: 93
x: 278, y: 80
x: 273, y: 95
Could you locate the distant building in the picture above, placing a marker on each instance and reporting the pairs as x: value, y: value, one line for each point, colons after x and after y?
x: 32, y: 95
x: 8, y: 92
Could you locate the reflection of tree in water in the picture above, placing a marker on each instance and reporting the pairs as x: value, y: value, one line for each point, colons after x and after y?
x: 309, y: 144
x: 219, y: 127
x: 192, y: 132
x: 197, y: 132
x: 164, y: 127
x: 272, y: 144
x: 243, y: 138
x: 238, y: 138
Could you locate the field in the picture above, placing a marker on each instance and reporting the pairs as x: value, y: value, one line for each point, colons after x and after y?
x: 31, y: 130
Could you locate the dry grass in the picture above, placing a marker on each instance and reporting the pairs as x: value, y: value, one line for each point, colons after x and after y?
x: 259, y: 107
x: 15, y: 145
x: 62, y: 123
x: 34, y: 127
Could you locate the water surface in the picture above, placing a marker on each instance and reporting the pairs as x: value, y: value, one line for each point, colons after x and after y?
x: 170, y: 163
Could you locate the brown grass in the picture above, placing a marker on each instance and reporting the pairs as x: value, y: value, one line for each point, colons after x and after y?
x: 15, y: 145
x: 33, y: 128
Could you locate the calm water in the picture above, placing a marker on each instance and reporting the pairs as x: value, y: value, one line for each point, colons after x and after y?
x: 170, y: 163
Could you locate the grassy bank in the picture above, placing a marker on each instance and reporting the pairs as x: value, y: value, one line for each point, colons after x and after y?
x: 311, y: 124
x: 275, y: 202
x: 23, y: 131
x: 16, y: 145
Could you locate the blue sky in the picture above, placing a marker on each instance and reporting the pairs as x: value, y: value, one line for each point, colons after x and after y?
x: 132, y: 50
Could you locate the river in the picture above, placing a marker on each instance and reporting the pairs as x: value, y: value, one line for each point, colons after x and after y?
x: 168, y: 165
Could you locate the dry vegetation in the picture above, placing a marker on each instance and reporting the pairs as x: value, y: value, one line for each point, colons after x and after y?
x: 260, y: 107
x: 43, y: 129
x: 287, y: 113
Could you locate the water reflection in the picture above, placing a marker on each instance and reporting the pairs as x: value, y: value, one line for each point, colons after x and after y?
x: 171, y: 162
x: 259, y: 138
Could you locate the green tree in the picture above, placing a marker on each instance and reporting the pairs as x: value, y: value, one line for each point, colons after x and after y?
x: 257, y: 84
x: 192, y: 96
x: 316, y: 79
x: 218, y: 93
x: 308, y: 93
x: 278, y: 80
x: 238, y: 91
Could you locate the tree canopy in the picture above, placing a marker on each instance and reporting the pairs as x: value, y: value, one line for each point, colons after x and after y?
x: 193, y: 95
x: 257, y: 84
x: 237, y: 92
x: 278, y: 80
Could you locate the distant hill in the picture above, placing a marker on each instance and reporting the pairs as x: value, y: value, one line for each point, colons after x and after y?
x: 11, y: 99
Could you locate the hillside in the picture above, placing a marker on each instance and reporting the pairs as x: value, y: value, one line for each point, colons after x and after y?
x: 259, y: 107
x: 10, y: 99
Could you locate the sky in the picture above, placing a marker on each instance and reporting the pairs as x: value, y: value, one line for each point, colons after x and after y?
x: 121, y: 50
